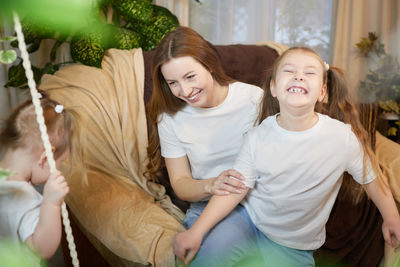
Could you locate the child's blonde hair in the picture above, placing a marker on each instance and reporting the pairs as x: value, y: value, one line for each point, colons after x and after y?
x: 339, y: 105
x: 22, y: 131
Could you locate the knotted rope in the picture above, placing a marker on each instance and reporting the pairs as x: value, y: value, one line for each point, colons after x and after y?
x: 43, y: 131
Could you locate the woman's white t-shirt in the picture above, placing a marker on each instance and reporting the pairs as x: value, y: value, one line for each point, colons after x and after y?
x: 211, y: 137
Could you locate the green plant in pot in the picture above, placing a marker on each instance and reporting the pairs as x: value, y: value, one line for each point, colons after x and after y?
x: 121, y: 24
x: 382, y: 82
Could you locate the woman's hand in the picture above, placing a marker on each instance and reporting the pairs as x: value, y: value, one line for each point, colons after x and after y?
x: 228, y: 182
x: 186, y: 244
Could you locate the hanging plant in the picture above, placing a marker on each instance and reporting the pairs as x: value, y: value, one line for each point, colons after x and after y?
x: 382, y: 82
x: 7, y: 56
x: 121, y: 24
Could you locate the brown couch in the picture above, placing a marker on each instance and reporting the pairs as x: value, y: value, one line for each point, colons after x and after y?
x: 353, y: 231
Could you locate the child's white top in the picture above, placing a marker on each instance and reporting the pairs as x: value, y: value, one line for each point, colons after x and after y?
x: 211, y: 137
x: 298, y: 175
x: 19, y: 210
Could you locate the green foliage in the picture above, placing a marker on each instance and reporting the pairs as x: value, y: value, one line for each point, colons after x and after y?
x: 370, y: 44
x: 130, y: 24
x: 18, y: 255
x: 88, y: 49
x: 17, y: 77
x: 58, y: 16
x: 8, y: 56
x: 382, y: 82
x: 4, y: 174
x: 134, y: 10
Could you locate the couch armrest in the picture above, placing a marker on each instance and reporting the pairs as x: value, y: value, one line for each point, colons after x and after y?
x: 124, y: 219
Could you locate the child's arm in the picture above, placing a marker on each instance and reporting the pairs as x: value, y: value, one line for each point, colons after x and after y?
x: 186, y: 244
x: 387, y: 207
x: 46, y: 238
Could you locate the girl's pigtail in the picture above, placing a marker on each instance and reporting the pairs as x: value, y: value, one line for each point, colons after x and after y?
x: 341, y: 106
x: 269, y: 105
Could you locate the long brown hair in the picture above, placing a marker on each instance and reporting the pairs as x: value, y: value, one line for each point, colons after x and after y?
x: 22, y: 131
x: 339, y: 105
x: 181, y: 42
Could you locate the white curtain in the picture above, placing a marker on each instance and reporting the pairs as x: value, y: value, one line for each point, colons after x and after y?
x: 179, y: 8
x: 353, y: 20
x: 290, y: 22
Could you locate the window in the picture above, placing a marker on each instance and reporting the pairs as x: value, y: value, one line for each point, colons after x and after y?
x: 291, y: 22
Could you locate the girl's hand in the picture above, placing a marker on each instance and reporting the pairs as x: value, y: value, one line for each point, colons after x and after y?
x: 186, y: 244
x: 391, y: 233
x: 55, y: 189
x: 226, y: 183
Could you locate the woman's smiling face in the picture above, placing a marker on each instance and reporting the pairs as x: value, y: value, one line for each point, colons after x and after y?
x: 190, y: 81
x: 299, y: 81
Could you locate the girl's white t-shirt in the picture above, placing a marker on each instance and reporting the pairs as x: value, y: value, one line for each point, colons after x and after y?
x: 296, y: 177
x: 211, y: 137
x: 19, y: 210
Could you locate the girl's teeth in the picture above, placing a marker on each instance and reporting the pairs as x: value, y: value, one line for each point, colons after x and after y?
x: 296, y: 90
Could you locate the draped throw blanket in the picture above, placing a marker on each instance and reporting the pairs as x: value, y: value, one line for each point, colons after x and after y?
x: 112, y: 118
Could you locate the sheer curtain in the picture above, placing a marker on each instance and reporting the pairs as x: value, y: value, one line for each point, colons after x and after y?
x: 289, y: 22
x: 353, y: 20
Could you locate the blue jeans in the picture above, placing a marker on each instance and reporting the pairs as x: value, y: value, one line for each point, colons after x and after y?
x: 228, y: 242
x: 236, y: 241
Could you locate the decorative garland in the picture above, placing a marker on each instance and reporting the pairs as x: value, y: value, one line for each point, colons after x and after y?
x: 43, y: 131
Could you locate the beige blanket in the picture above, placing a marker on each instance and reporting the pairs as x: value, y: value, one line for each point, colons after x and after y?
x: 388, y: 153
x: 110, y: 104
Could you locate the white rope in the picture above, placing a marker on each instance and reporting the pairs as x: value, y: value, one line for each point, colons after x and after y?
x: 43, y: 131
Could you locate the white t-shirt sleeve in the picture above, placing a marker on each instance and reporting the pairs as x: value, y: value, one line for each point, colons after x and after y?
x: 169, y: 143
x: 28, y: 223
x: 355, y: 165
x: 245, y: 163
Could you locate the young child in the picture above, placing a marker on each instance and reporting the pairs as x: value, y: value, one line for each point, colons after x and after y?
x: 25, y: 215
x: 293, y: 163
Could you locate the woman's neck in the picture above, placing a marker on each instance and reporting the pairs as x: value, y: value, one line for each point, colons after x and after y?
x: 297, y: 122
x: 221, y: 92
x: 16, y: 162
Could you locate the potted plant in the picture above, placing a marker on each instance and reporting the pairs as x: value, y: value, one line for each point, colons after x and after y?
x: 382, y: 82
x: 121, y: 24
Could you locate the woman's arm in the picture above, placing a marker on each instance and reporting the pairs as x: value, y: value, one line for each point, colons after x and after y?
x: 189, y: 189
x: 186, y: 244
x: 387, y: 207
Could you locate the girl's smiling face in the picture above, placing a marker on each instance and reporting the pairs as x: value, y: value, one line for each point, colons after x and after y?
x: 299, y: 81
x: 190, y: 81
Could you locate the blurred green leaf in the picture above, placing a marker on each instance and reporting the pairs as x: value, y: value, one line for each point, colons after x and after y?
x: 390, y: 106
x: 61, y: 16
x: 17, y: 77
x: 4, y: 174
x: 13, y: 254
x: 8, y: 56
x: 8, y: 39
x: 392, y: 131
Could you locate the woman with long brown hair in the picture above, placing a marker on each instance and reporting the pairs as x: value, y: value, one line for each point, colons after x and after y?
x: 199, y: 116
